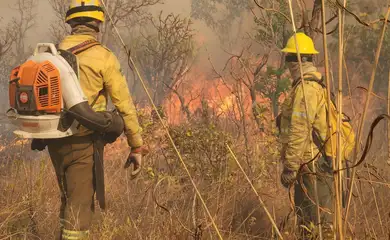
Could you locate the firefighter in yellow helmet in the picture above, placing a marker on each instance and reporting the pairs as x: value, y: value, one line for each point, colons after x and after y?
x: 296, y: 141
x: 78, y: 159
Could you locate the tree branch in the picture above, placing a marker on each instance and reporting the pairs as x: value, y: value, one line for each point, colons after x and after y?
x: 272, y: 10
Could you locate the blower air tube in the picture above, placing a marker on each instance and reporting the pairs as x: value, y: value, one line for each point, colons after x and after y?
x: 110, y: 124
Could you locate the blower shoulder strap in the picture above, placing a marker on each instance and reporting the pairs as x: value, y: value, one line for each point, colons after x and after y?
x: 101, y: 92
x: 83, y: 46
x: 310, y: 79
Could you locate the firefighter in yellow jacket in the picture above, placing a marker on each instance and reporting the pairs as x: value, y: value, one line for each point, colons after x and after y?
x: 74, y: 158
x: 298, y: 145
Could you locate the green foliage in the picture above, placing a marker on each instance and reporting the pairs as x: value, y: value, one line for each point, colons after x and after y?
x: 204, y: 147
x: 362, y: 42
x: 219, y: 14
x: 360, y: 54
x: 271, y: 83
x: 271, y: 26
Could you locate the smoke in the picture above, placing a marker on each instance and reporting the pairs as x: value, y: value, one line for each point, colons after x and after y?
x: 45, y: 16
x: 207, y: 39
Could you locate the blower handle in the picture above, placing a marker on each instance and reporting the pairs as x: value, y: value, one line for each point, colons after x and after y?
x: 12, y: 114
x: 49, y: 46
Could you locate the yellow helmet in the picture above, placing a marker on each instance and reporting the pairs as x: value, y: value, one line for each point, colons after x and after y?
x: 85, y: 9
x: 305, y: 44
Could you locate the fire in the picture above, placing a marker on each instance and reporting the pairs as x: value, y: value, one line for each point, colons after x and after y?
x: 215, y: 94
x: 14, y: 143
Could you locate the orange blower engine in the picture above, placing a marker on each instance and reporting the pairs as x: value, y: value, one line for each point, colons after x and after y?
x: 47, y: 101
x: 35, y: 89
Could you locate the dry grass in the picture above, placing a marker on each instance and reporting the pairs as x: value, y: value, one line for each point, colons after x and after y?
x: 161, y: 203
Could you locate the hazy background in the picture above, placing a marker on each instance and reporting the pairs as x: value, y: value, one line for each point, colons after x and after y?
x: 206, y: 108
x: 206, y: 36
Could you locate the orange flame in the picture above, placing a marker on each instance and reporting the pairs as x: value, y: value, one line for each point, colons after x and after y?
x: 219, y: 96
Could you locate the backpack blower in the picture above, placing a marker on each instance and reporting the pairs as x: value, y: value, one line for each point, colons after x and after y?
x: 47, y: 101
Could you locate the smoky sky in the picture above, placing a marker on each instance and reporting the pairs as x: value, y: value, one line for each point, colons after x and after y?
x: 209, y: 43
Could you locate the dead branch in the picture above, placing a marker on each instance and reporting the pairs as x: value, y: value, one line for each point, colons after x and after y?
x: 358, y: 19
x: 315, y: 17
x: 166, y: 209
x: 272, y: 10
x: 166, y: 55
x: 23, y: 22
x: 6, y: 41
x: 328, y: 33
x: 305, y: 21
x: 183, y: 105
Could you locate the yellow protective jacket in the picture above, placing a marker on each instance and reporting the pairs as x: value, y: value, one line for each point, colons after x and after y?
x: 294, y: 130
x: 100, y: 69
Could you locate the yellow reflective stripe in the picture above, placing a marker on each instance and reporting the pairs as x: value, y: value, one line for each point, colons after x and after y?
x: 299, y: 114
x: 74, y: 235
x: 65, y: 237
x: 284, y: 130
x: 323, y: 136
x: 70, y: 238
x: 99, y: 107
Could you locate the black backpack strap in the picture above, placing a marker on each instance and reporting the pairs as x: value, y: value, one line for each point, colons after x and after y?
x: 101, y: 92
x: 310, y: 79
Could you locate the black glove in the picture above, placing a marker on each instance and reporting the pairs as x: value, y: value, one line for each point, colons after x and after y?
x: 288, y: 177
x: 38, y: 144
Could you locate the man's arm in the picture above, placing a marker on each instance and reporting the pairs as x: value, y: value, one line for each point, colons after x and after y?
x: 298, y: 137
x: 116, y: 85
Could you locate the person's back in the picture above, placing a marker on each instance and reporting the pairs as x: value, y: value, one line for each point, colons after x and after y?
x: 100, y: 70
x: 294, y: 129
x: 303, y: 128
x: 78, y: 159
x: 92, y: 63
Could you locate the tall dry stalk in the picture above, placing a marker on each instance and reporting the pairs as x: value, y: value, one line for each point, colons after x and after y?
x: 165, y: 127
x: 376, y: 202
x: 388, y: 122
x: 338, y: 178
x: 257, y: 194
x: 361, y: 123
x: 337, y: 218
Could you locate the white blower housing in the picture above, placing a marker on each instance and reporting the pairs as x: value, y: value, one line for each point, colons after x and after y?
x: 34, y: 88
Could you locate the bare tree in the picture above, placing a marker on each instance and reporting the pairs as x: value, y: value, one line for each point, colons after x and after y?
x: 124, y: 13
x: 20, y: 25
x: 13, y: 45
x: 59, y: 28
x: 6, y: 43
x: 6, y: 40
x: 166, y: 54
x: 186, y: 95
x: 13, y: 49
x: 243, y: 69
